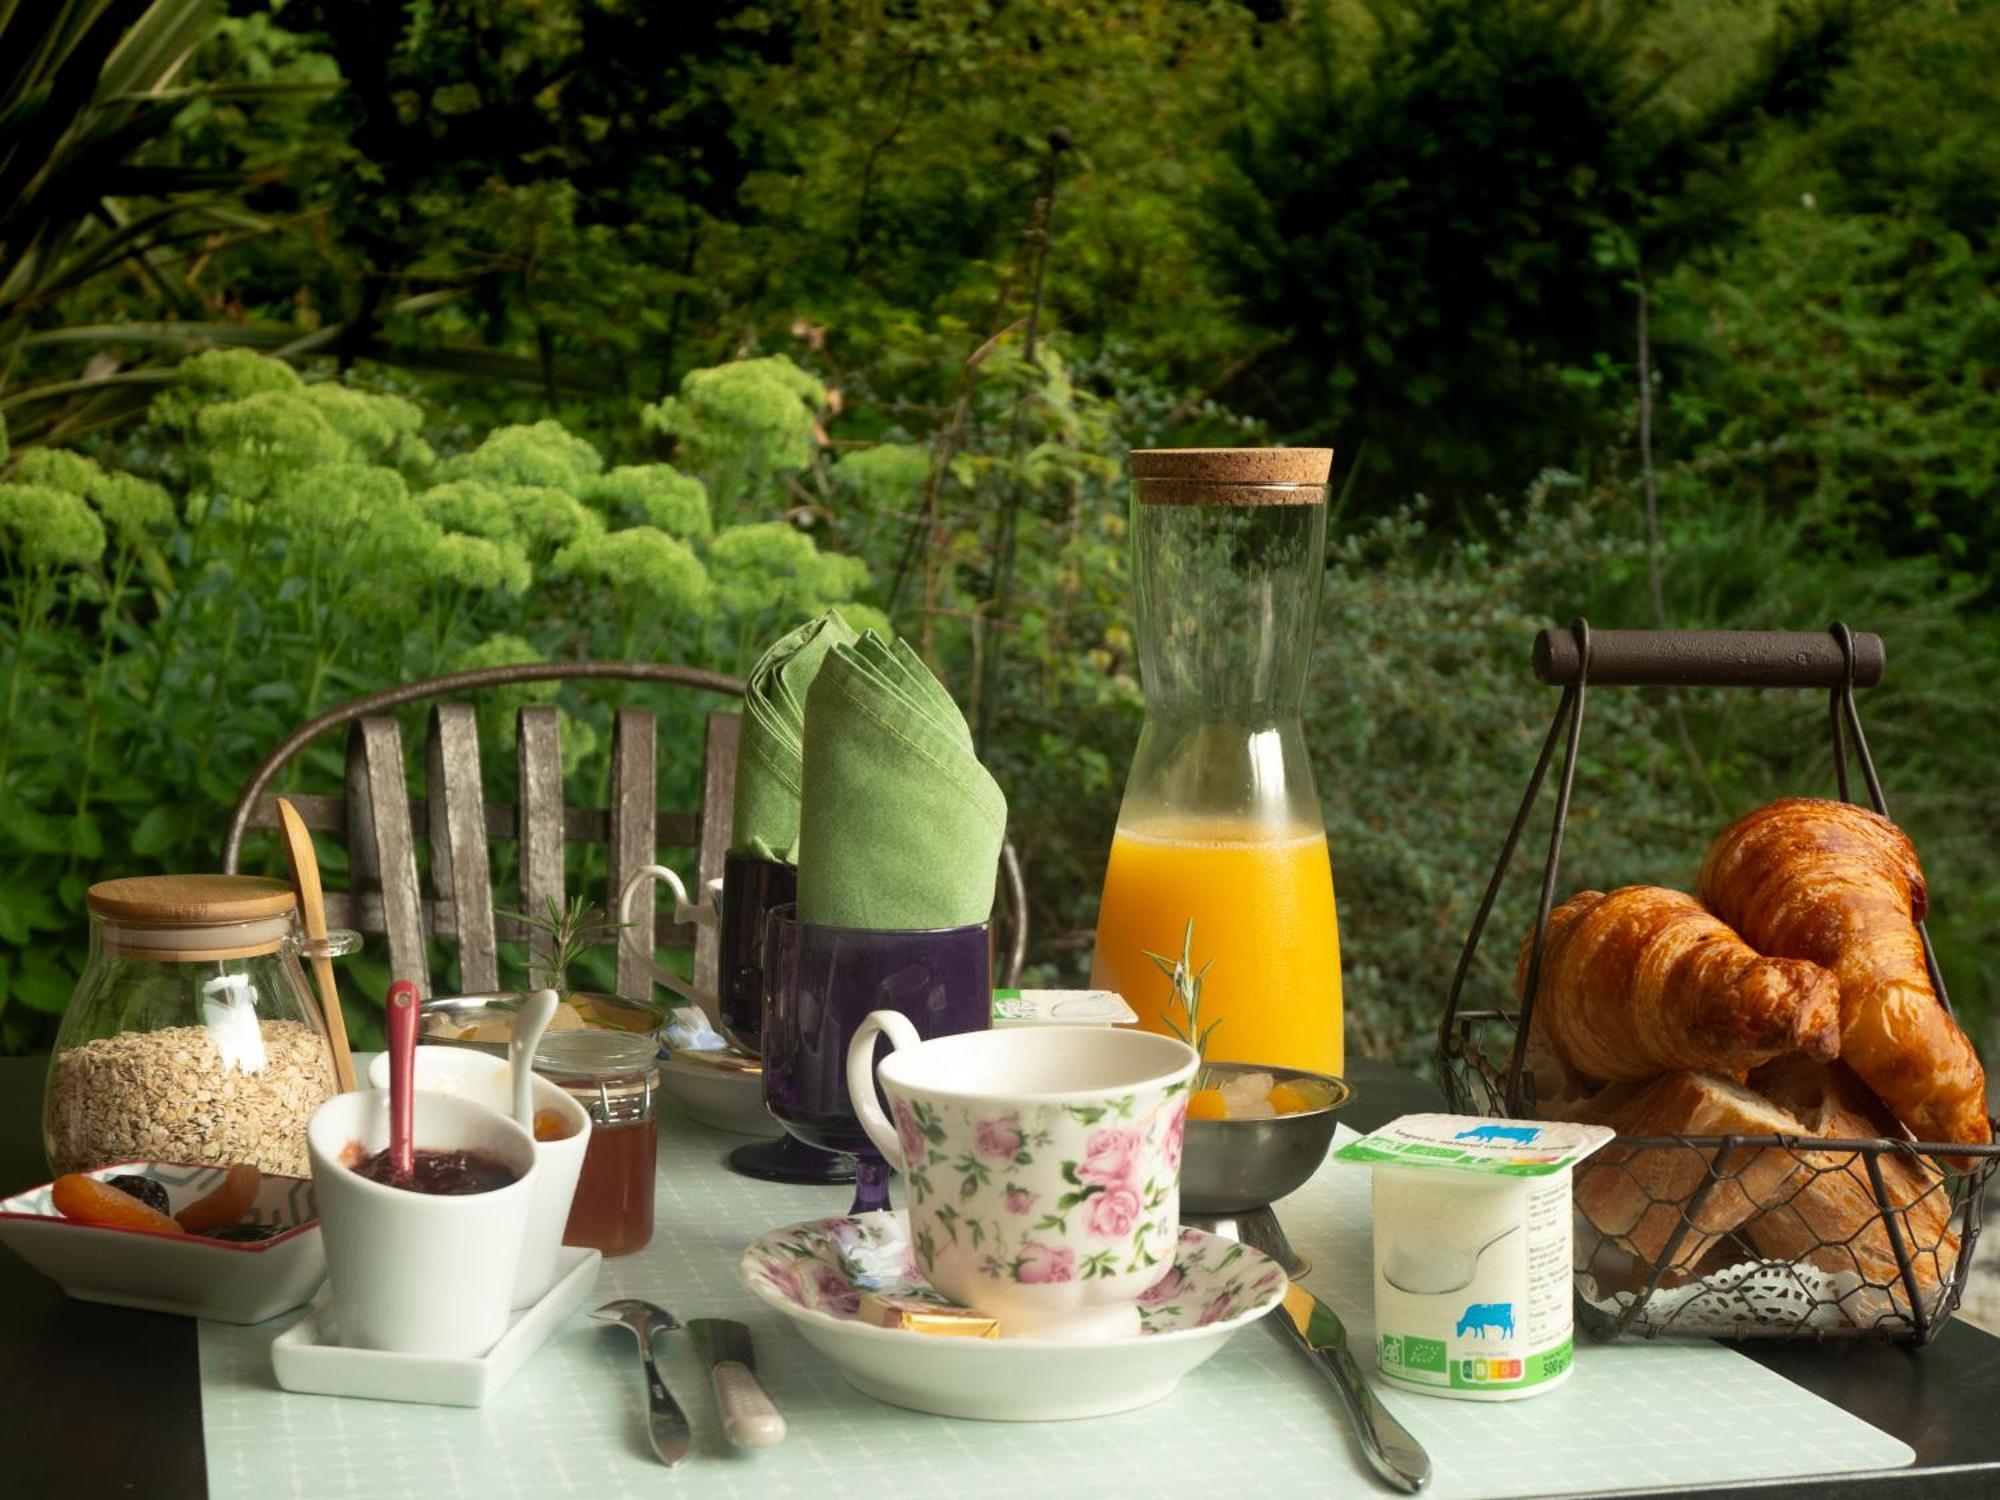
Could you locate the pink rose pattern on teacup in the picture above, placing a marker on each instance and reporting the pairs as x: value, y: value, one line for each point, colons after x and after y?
x: 1115, y: 1212
x: 909, y: 1134
x: 999, y: 1139
x: 1211, y: 1280
x: 1038, y: 1263
x: 1170, y: 1149
x: 1109, y: 1158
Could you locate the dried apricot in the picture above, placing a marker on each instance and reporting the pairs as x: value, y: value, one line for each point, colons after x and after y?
x: 227, y: 1204
x: 89, y: 1201
x: 1207, y: 1104
x: 1287, y: 1100
x: 550, y: 1125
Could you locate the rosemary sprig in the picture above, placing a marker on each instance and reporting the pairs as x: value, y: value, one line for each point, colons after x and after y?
x: 570, y: 932
x: 1187, y: 981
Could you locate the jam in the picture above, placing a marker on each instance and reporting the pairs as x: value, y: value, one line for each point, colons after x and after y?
x: 444, y: 1173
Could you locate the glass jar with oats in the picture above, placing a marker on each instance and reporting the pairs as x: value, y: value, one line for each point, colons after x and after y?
x: 192, y: 1036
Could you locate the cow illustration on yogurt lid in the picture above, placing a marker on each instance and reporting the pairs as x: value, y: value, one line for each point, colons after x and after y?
x: 1473, y: 1143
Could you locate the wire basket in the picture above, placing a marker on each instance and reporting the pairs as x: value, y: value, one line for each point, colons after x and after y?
x: 1734, y: 1236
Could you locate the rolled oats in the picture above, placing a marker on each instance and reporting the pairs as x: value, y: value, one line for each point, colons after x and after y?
x: 169, y: 1095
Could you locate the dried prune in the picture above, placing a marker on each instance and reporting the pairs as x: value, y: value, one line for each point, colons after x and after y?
x: 243, y: 1233
x: 152, y: 1194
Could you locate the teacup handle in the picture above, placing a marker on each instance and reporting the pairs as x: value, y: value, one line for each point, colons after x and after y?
x: 861, y: 1078
x: 685, y: 911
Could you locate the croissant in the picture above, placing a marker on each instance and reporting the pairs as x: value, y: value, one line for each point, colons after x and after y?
x: 1829, y: 1216
x: 1647, y: 981
x: 1839, y: 885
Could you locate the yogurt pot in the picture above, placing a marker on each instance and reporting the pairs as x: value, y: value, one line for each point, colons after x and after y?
x: 1472, y: 1252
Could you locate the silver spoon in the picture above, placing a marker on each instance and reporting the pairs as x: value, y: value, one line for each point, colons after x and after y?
x: 666, y: 1423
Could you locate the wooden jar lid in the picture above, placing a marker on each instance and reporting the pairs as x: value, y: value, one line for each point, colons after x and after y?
x: 190, y: 900
x: 1231, y: 476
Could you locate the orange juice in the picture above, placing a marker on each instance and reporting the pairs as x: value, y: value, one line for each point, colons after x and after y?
x: 1262, y: 904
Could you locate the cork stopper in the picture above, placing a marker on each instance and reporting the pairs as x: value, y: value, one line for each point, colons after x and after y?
x: 190, y: 900
x: 1231, y: 476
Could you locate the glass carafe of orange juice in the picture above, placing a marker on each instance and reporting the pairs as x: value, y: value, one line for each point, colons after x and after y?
x: 1220, y: 823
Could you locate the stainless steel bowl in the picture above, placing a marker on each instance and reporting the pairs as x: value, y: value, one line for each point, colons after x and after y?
x: 1233, y: 1166
x: 611, y: 1012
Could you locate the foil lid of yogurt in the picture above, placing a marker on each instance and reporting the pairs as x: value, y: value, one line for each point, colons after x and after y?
x: 1476, y: 1143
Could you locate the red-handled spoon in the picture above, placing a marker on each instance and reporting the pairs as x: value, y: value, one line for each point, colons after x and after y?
x: 402, y: 1007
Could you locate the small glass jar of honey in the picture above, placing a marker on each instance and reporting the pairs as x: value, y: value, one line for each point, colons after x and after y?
x: 615, y: 1077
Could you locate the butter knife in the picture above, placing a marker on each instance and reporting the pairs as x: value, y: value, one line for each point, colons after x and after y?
x: 1385, y: 1442
x: 749, y: 1420
x: 666, y: 1423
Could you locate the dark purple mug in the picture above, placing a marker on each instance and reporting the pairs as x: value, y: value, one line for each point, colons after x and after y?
x: 751, y: 886
x: 821, y: 982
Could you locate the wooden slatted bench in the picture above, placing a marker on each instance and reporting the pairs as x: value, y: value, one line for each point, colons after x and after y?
x: 381, y: 822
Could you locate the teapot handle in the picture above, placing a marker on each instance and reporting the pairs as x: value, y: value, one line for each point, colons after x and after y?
x: 702, y: 914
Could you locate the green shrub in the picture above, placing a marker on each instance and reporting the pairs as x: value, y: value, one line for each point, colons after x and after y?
x: 295, y: 542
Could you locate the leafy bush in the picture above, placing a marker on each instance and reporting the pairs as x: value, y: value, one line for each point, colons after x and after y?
x: 279, y: 544
x: 1432, y: 242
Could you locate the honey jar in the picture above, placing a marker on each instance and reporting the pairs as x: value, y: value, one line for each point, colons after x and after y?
x: 615, y: 1076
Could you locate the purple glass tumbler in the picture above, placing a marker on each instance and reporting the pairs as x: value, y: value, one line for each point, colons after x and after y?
x: 821, y: 983
x: 751, y: 886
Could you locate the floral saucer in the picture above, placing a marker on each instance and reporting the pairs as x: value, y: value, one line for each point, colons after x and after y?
x: 815, y: 1273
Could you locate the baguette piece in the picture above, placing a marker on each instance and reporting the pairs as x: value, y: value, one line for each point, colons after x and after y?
x: 1639, y: 1196
x: 1829, y: 1216
x: 1646, y: 981
x: 1839, y: 885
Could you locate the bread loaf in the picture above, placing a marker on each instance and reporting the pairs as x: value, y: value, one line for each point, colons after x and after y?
x: 1829, y: 1214
x: 1640, y: 1196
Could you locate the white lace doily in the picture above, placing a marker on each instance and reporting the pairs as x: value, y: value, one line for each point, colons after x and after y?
x: 1756, y: 1293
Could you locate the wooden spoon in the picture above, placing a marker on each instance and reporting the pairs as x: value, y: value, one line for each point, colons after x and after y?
x: 312, y: 912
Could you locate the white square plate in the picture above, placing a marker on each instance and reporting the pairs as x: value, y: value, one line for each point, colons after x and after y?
x: 308, y: 1357
x: 176, y: 1273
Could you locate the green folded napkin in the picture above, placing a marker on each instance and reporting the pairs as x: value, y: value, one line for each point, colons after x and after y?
x: 770, y: 751
x: 900, y: 825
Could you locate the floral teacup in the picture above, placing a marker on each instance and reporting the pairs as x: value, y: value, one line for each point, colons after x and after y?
x: 1043, y: 1165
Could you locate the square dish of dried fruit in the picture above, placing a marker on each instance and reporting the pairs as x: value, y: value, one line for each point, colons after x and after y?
x: 208, y: 1242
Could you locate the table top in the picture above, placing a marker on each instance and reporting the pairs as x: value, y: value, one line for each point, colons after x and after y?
x: 114, y: 1407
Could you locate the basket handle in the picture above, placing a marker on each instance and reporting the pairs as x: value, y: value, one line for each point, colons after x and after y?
x: 1709, y: 658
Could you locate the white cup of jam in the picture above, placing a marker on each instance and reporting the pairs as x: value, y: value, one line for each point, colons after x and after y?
x: 484, y: 1079
x: 415, y: 1271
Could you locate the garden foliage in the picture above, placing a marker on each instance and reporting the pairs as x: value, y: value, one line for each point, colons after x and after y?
x: 617, y: 330
x: 278, y: 544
